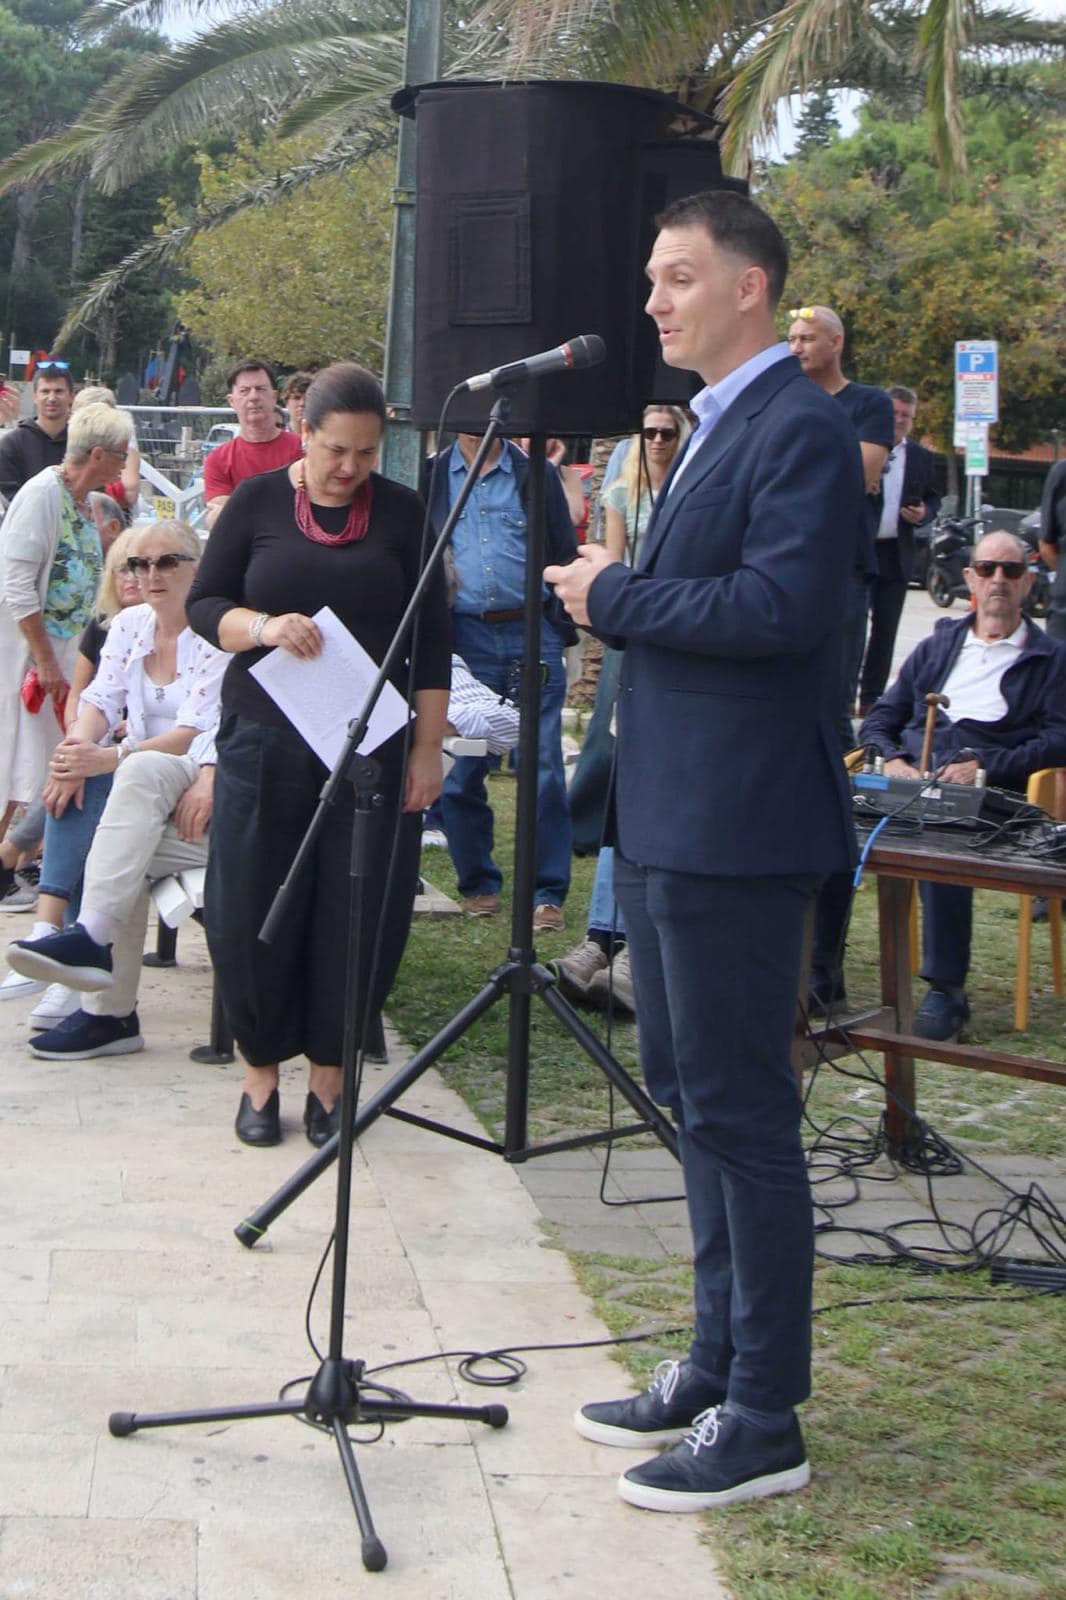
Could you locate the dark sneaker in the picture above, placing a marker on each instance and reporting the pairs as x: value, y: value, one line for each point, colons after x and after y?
x: 69, y: 956
x: 80, y: 1036
x: 721, y: 1460
x: 663, y: 1414
x: 941, y: 1016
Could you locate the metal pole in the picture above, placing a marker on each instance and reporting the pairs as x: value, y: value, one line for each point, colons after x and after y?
x: 402, y: 455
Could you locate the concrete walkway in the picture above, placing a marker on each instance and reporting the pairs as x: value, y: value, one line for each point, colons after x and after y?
x: 122, y: 1288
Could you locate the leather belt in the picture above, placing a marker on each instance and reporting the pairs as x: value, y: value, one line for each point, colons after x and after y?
x: 514, y: 615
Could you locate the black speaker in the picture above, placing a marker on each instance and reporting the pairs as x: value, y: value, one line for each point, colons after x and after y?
x: 535, y: 217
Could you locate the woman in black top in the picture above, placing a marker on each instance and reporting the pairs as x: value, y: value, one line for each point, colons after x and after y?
x: 325, y: 531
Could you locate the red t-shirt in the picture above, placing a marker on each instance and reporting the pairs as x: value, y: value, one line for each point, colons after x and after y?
x: 230, y: 464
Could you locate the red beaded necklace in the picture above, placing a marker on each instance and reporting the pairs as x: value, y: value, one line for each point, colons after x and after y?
x: 355, y: 528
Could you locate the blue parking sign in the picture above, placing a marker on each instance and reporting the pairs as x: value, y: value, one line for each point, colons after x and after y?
x: 976, y: 380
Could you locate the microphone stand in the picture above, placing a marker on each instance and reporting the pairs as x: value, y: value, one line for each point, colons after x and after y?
x: 337, y: 1396
x: 521, y: 977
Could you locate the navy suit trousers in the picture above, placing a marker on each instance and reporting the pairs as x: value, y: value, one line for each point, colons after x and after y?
x: 716, y: 965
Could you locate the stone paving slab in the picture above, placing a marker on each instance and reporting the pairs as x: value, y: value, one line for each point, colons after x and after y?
x: 122, y: 1287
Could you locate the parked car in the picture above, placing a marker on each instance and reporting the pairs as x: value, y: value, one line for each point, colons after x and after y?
x: 218, y: 433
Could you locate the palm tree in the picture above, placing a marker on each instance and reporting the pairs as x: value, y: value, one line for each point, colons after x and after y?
x: 319, y: 70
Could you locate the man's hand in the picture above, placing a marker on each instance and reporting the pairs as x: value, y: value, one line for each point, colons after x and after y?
x: 192, y: 814
x: 915, y: 515
x: 959, y: 772
x: 572, y: 583
x: 898, y: 768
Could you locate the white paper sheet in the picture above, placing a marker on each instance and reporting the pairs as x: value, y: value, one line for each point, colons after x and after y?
x: 321, y: 696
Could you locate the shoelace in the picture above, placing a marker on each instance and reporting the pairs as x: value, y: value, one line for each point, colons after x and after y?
x: 704, y: 1431
x: 665, y: 1379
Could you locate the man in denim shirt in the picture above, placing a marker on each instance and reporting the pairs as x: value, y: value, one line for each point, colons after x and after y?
x: 489, y: 545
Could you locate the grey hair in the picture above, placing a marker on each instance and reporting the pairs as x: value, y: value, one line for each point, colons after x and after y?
x: 1002, y: 533
x: 899, y: 391
x: 107, y: 507
x: 95, y: 394
x: 95, y: 427
x: 173, y: 528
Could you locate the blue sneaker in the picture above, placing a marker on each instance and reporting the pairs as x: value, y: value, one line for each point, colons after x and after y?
x: 721, y: 1460
x: 69, y: 956
x: 663, y: 1414
x: 941, y: 1016
x: 81, y: 1035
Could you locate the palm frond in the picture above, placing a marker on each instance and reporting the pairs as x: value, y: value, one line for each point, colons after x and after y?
x: 944, y: 34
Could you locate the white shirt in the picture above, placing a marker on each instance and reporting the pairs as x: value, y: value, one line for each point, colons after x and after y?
x: 973, y: 684
x: 714, y: 399
x: 892, y: 492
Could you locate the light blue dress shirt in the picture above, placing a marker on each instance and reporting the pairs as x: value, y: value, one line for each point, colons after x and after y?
x: 714, y: 400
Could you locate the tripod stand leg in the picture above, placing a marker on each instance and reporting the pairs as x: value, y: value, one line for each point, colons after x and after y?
x: 373, y: 1551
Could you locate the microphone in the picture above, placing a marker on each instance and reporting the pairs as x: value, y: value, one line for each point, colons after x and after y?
x: 587, y: 350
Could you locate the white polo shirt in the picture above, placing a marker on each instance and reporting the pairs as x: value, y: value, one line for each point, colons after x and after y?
x: 973, y: 684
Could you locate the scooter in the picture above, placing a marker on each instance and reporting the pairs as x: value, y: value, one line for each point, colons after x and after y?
x: 950, y: 544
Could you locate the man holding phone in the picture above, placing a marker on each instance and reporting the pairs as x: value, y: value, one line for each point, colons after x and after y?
x: 909, y: 500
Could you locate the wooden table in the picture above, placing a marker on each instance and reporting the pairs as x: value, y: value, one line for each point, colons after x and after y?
x: 899, y: 862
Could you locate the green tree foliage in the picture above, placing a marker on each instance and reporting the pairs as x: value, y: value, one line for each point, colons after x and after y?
x: 56, y: 234
x: 910, y: 271
x: 303, y: 282
x: 817, y: 125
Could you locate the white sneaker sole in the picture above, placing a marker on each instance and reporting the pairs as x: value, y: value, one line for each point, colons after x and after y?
x: 650, y: 1499
x: 23, y: 989
x: 627, y: 1438
x: 32, y: 964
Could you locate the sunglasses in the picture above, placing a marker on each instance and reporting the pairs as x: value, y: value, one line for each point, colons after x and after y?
x: 651, y: 434
x: 1010, y: 569
x: 52, y: 364
x: 805, y: 313
x: 167, y: 563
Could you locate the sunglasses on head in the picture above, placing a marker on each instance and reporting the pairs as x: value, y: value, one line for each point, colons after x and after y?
x: 167, y: 563
x: 1010, y: 569
x: 805, y: 313
x: 52, y: 364
x: 651, y: 434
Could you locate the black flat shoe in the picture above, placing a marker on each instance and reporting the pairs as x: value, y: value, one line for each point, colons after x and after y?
x: 320, y: 1124
x: 261, y: 1127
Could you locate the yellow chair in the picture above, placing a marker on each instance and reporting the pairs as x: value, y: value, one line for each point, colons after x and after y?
x: 1047, y: 789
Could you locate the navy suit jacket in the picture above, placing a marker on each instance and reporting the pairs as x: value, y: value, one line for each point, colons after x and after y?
x: 895, y: 557
x: 728, y: 762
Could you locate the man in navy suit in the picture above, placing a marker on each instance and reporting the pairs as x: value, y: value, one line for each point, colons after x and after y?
x: 730, y: 803
x: 909, y: 500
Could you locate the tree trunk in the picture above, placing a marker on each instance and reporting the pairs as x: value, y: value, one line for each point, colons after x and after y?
x: 25, y: 208
x: 77, y: 226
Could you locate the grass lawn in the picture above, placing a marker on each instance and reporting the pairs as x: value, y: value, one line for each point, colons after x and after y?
x: 936, y: 1429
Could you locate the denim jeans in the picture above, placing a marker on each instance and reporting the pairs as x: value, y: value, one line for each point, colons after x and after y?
x: 605, y: 914
x: 67, y: 839
x: 492, y: 651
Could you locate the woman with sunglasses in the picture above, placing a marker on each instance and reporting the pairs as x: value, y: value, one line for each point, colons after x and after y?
x: 163, y: 681
x: 599, y: 965
x: 51, y: 564
x: 324, y: 531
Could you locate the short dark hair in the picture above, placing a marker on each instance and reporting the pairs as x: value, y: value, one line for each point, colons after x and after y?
x: 899, y: 391
x: 49, y: 369
x: 343, y: 387
x: 250, y: 364
x: 737, y: 224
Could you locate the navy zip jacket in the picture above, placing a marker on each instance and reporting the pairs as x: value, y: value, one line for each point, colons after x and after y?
x: 1032, y: 735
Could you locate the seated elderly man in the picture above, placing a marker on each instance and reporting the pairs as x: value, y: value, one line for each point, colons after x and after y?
x: 164, y: 680
x: 1006, y: 681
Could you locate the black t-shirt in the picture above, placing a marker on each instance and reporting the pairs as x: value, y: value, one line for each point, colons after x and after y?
x: 92, y: 641
x: 874, y: 420
x: 256, y: 556
x: 24, y: 452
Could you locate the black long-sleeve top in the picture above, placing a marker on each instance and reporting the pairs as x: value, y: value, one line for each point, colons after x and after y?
x: 256, y: 556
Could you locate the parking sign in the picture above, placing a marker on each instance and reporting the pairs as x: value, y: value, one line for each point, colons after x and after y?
x: 976, y: 380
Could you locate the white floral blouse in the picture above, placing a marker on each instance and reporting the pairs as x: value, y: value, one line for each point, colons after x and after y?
x: 121, y: 686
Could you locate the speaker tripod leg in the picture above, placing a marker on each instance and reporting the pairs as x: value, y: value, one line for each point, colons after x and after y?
x: 373, y: 1551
